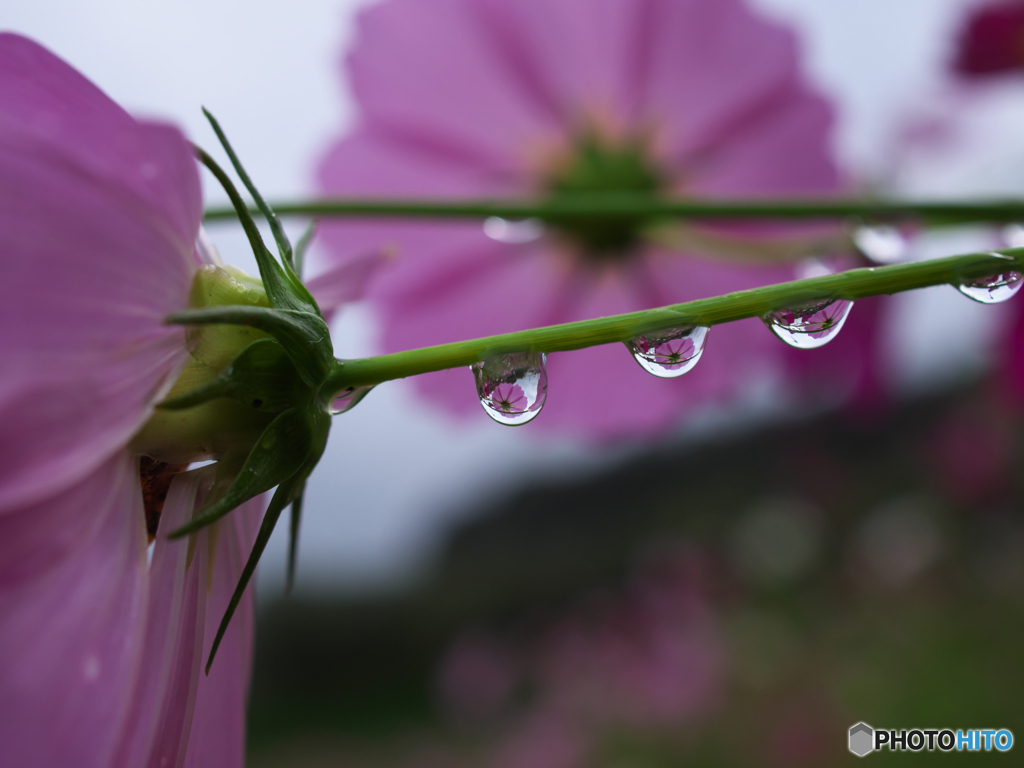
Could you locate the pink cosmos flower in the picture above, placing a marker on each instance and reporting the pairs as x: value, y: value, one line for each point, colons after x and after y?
x: 493, y: 98
x: 99, y: 217
x: 508, y: 398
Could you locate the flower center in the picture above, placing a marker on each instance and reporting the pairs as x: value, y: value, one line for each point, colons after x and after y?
x: 598, y: 166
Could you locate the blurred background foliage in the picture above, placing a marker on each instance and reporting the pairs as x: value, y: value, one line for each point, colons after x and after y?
x: 741, y: 599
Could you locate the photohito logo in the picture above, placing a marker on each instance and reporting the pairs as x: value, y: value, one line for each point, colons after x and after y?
x: 865, y: 739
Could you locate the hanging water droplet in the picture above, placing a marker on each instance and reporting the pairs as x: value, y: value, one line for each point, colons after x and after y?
x: 993, y: 289
x: 513, y: 232
x: 810, y: 325
x: 512, y: 387
x: 670, y: 352
x: 882, y: 243
x: 1012, y: 235
x: 348, y: 399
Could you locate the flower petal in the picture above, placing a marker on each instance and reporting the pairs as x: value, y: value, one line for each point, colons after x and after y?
x: 218, y: 726
x: 158, y: 726
x: 98, y: 221
x: 72, y: 618
x: 461, y: 98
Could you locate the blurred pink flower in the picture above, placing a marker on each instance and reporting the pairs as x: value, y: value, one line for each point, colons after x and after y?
x: 649, y: 658
x: 992, y: 40
x: 477, y: 677
x: 99, y: 218
x: 491, y: 98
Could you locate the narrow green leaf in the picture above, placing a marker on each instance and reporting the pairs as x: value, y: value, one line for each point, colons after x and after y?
x: 282, y: 450
x: 284, y: 494
x: 280, y: 289
x: 293, y: 537
x: 284, y: 247
x: 302, y: 245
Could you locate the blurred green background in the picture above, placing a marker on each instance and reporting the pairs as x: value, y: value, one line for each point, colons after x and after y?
x: 740, y: 600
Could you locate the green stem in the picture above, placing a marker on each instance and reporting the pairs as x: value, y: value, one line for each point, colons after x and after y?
x: 854, y: 284
x: 581, y: 205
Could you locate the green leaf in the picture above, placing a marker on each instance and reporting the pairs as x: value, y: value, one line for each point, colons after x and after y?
x: 284, y: 494
x: 302, y: 245
x: 284, y: 247
x: 281, y: 289
x: 305, y: 337
x: 284, y: 447
x: 293, y: 537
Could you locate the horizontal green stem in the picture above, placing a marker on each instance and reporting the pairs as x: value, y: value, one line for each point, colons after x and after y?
x: 638, y: 205
x: 757, y: 302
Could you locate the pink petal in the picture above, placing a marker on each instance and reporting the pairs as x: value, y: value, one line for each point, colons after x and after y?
x: 784, y: 151
x: 218, y: 725
x: 72, y: 618
x: 156, y: 733
x: 712, y: 66
x: 377, y: 166
x: 461, y: 98
x: 98, y: 221
x: 347, y: 282
x: 583, y: 59
x: 174, y: 699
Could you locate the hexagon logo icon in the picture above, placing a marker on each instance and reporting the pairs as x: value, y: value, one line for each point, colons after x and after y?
x: 862, y: 739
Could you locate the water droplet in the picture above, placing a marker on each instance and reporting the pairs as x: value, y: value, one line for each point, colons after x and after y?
x: 1013, y: 235
x: 882, y: 243
x: 670, y: 352
x: 512, y: 387
x: 513, y: 232
x: 348, y: 399
x: 810, y: 325
x: 993, y: 289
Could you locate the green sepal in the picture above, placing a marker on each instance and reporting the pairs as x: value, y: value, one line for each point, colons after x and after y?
x: 285, y: 493
x: 283, y: 291
x: 305, y: 337
x: 302, y: 245
x: 262, y: 377
x: 293, y: 538
x: 290, y: 490
x: 283, y: 246
x: 284, y: 447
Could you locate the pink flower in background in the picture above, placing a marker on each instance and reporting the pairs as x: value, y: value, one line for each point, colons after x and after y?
x: 508, y: 398
x: 992, y: 40
x: 99, y: 216
x: 650, y: 658
x: 492, y: 98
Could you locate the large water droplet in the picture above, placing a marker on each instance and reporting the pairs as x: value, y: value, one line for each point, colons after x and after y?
x: 810, y: 325
x: 348, y: 399
x: 512, y: 387
x: 882, y: 243
x: 993, y: 289
x: 670, y: 352
x: 513, y: 232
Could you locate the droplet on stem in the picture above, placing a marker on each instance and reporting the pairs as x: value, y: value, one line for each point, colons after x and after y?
x: 348, y: 399
x: 671, y: 352
x: 810, y: 325
x: 992, y: 289
x: 1012, y: 235
x: 512, y: 387
x: 513, y: 232
x: 882, y: 243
